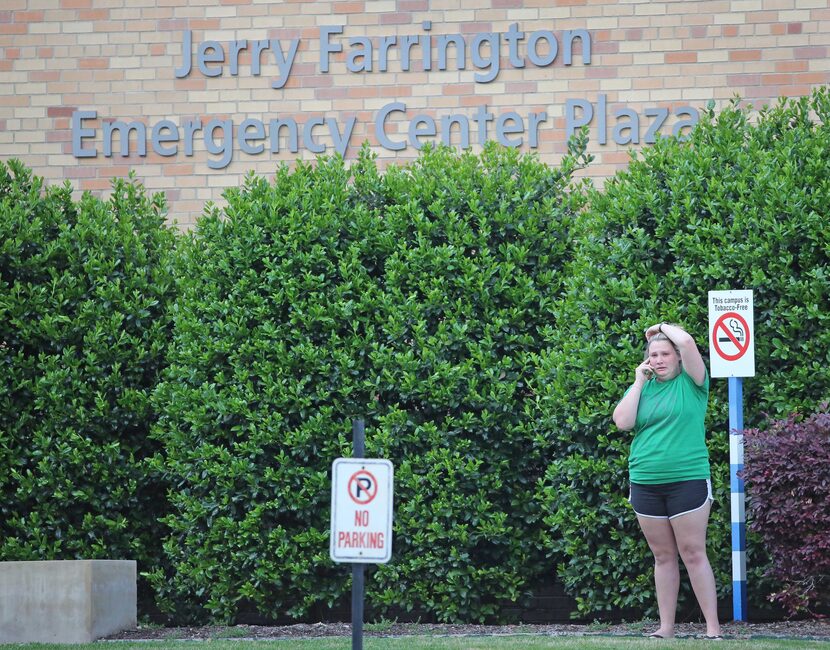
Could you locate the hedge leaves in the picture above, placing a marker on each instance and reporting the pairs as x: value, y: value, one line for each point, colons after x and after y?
x: 418, y: 300
x: 85, y: 289
x: 740, y: 205
x: 181, y: 400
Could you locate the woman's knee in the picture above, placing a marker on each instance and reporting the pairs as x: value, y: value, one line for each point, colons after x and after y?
x: 665, y: 556
x: 693, y: 554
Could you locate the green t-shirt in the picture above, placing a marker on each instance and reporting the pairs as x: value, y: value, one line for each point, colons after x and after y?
x: 669, y: 439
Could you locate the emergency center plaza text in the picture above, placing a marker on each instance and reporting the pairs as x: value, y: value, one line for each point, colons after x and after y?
x: 394, y: 126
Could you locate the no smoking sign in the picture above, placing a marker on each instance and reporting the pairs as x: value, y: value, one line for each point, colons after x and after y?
x: 730, y: 336
x: 731, y: 339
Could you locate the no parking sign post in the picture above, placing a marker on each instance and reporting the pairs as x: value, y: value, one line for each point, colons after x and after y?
x: 361, y: 518
x: 732, y: 355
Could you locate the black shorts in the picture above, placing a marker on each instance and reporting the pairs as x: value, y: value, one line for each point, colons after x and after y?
x: 669, y: 500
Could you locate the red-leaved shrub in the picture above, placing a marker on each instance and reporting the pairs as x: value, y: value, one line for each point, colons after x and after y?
x: 787, y: 475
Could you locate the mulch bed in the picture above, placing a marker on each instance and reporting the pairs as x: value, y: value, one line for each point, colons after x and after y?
x: 807, y: 629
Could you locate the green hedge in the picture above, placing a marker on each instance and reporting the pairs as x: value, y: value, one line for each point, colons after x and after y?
x: 483, y: 313
x: 417, y: 299
x: 85, y: 289
x: 739, y: 205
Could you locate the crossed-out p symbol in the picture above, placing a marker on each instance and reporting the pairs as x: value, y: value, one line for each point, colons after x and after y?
x: 362, y: 487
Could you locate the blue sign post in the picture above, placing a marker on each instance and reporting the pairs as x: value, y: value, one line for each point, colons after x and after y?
x: 732, y: 355
x: 736, y: 464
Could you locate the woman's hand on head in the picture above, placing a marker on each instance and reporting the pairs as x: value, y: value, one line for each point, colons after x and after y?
x: 652, y: 331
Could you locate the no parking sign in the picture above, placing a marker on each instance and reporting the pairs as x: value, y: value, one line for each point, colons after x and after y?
x: 361, y: 510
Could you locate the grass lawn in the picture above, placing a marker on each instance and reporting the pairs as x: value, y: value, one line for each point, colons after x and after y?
x: 443, y: 643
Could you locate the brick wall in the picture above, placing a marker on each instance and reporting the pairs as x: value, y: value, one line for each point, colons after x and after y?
x: 119, y: 59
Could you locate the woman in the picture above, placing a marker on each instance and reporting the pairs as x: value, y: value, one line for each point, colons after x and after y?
x: 671, y: 491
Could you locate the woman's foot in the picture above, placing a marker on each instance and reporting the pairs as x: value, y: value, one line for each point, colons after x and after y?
x: 661, y: 634
x: 714, y: 633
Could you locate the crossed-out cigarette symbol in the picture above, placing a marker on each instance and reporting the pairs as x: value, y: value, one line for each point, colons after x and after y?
x: 736, y: 328
x: 733, y: 329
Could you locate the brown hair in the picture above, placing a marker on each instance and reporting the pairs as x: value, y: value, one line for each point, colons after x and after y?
x: 659, y: 337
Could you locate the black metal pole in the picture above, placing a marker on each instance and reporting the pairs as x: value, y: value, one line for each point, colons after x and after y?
x: 358, y: 577
x: 359, y: 438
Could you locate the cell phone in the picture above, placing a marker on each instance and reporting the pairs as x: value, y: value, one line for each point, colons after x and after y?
x: 649, y: 373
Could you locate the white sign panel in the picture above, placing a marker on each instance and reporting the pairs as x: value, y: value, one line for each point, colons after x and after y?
x: 731, y: 334
x: 361, y: 510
